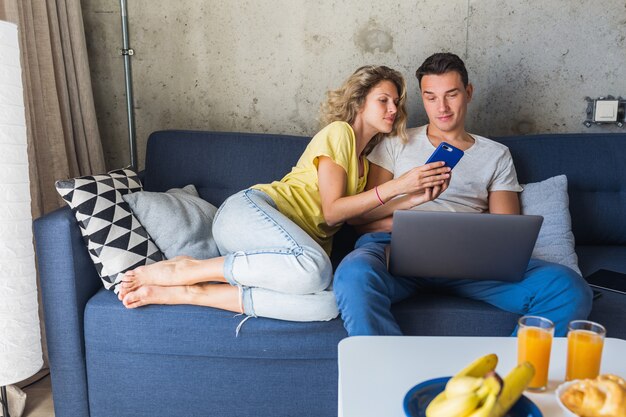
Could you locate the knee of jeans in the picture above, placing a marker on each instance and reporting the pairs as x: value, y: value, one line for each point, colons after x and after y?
x: 576, y: 293
x: 356, y: 273
x: 314, y: 276
x: 582, y: 296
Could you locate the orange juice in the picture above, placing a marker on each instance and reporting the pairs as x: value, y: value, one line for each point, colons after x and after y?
x: 584, y: 353
x: 533, y: 345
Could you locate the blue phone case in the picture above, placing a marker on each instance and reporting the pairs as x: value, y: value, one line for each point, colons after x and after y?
x: 446, y: 153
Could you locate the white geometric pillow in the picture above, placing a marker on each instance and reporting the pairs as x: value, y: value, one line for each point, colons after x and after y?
x: 116, y: 241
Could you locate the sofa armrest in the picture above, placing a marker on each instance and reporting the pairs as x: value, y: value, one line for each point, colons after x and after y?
x: 68, y: 280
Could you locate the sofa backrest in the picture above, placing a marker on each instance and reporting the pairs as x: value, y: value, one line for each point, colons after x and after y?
x: 595, y: 166
x: 220, y: 164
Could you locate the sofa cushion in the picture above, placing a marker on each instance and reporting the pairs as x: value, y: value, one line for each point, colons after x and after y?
x: 437, y: 314
x: 549, y: 199
x: 179, y: 221
x: 115, y: 239
x: 204, y: 331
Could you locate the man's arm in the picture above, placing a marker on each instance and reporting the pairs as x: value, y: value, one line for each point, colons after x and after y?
x: 504, y: 202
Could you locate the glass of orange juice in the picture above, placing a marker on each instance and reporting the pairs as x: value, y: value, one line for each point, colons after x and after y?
x: 585, y: 340
x: 534, y: 342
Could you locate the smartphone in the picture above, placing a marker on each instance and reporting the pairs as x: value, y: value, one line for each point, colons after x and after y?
x: 608, y: 280
x: 446, y: 153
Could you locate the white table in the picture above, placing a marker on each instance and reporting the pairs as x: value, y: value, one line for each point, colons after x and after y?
x: 375, y: 372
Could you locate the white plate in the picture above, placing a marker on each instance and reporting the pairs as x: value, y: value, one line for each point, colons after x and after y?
x: 559, y: 391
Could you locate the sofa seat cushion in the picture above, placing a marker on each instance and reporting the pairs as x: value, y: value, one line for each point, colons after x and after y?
x: 200, y: 331
x: 430, y: 314
x: 593, y: 258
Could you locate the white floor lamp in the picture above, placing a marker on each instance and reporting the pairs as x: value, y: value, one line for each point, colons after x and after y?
x: 20, y: 339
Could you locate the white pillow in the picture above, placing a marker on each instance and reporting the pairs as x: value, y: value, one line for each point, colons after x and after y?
x: 549, y: 199
x: 179, y: 221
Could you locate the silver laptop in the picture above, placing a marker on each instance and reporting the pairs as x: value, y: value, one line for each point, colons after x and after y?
x: 433, y: 244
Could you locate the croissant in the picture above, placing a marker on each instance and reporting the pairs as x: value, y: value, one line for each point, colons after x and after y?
x: 604, y: 396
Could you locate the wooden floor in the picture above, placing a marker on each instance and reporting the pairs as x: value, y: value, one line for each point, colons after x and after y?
x: 39, y: 399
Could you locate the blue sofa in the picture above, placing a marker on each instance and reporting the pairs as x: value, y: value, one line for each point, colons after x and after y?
x: 186, y: 361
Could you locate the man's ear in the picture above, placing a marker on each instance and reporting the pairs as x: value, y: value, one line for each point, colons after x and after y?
x: 469, y: 90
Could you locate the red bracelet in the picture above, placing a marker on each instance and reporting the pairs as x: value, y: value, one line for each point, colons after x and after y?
x: 378, y: 195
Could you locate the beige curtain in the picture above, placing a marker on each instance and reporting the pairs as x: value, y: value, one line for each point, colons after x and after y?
x: 63, y: 136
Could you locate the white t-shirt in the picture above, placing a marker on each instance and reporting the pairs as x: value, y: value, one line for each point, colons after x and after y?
x: 486, y: 166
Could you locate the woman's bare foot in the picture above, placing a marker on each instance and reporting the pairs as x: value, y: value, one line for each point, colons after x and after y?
x: 222, y: 296
x: 171, y: 272
x: 155, y: 294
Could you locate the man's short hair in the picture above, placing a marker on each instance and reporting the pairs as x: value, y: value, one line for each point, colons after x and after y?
x: 441, y: 63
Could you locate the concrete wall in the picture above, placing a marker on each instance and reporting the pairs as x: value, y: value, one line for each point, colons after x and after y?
x: 264, y: 66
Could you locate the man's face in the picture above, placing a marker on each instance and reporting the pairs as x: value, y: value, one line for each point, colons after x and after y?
x: 445, y: 100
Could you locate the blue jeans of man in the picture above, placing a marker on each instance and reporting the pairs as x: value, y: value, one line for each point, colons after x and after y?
x: 365, y: 291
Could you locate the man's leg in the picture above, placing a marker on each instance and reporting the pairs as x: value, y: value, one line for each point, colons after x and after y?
x: 548, y: 290
x: 365, y: 289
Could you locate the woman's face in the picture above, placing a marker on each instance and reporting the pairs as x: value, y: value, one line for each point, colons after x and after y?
x: 380, y: 107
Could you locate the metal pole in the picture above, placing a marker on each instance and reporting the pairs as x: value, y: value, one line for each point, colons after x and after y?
x: 4, y: 401
x: 127, y: 52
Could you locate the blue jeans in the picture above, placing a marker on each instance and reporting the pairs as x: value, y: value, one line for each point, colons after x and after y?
x: 281, y: 271
x: 365, y: 291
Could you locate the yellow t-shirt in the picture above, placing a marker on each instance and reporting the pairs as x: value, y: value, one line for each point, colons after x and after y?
x: 297, y: 195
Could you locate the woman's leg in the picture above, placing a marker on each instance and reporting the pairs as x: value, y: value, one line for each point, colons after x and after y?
x: 290, y: 263
x: 260, y: 302
x: 256, y: 302
x: 263, y: 248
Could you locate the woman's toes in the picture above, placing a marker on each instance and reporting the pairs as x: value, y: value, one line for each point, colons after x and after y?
x: 131, y: 299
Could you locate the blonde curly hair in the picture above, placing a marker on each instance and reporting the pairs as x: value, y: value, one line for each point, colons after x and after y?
x: 344, y: 103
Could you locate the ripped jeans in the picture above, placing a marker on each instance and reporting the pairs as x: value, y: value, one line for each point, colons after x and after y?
x: 281, y: 271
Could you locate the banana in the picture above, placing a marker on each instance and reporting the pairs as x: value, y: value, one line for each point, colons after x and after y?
x: 489, y: 391
x: 459, y: 406
x: 462, y: 385
x: 493, y: 382
x: 480, y: 366
x: 514, y: 384
x: 487, y: 406
x: 468, y: 391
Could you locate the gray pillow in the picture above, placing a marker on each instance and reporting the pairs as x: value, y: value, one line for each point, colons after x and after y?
x: 179, y: 221
x: 549, y: 199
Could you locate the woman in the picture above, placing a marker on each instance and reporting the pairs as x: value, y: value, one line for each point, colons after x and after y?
x: 276, y: 238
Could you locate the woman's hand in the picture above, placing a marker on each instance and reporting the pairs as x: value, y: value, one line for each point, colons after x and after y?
x: 430, y: 193
x: 422, y: 178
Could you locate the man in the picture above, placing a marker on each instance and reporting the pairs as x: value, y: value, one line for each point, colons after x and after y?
x: 484, y: 181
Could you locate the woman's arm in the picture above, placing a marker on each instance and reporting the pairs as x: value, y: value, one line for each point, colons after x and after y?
x: 338, y: 208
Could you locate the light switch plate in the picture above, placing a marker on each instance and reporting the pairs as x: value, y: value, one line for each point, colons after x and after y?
x: 605, y: 111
